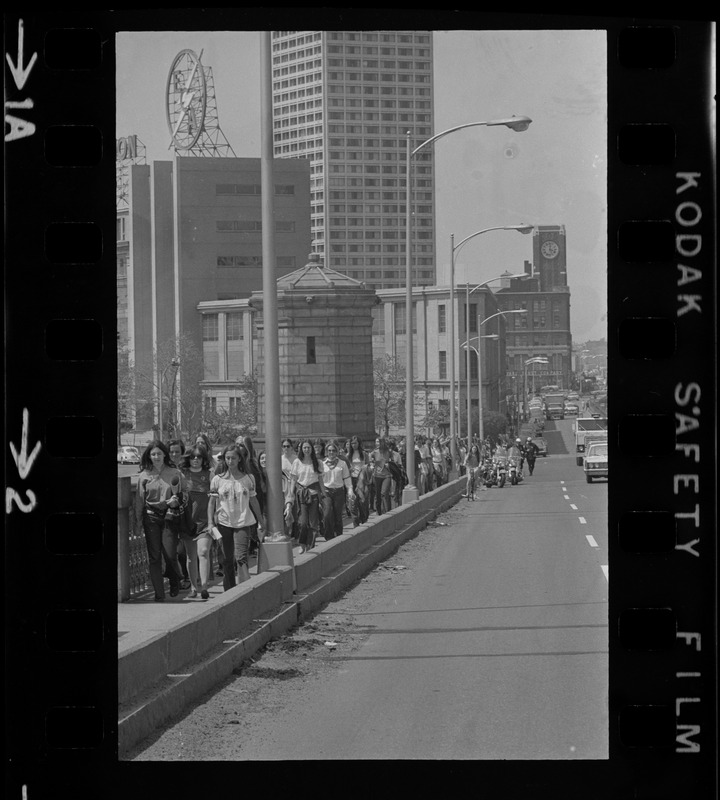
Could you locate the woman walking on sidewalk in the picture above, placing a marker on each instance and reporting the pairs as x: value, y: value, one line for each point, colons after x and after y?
x: 197, y: 471
x: 338, y: 485
x: 471, y: 464
x: 158, y: 487
x: 234, y: 509
x: 357, y: 459
x: 307, y: 485
x: 380, y: 457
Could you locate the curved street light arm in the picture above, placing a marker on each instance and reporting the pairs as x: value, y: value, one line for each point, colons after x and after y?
x: 520, y: 228
x: 515, y: 123
x: 502, y: 313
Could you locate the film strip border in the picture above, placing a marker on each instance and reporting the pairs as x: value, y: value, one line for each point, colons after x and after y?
x: 61, y: 417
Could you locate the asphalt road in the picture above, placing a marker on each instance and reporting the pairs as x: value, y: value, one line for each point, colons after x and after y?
x: 492, y: 646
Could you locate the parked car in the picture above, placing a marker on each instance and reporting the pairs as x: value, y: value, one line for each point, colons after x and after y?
x: 128, y: 455
x: 572, y: 409
x: 573, y: 397
x: 595, y: 462
x: 541, y: 445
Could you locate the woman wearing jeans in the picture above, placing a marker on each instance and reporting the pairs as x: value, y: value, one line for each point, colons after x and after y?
x: 157, y: 489
x: 379, y: 458
x: 234, y: 508
x: 306, y: 483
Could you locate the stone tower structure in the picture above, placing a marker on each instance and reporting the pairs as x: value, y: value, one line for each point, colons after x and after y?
x: 325, y: 354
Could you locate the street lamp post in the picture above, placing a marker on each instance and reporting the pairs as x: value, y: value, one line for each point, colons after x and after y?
x: 535, y: 360
x: 518, y: 124
x: 467, y: 351
x: 476, y: 350
x: 454, y: 248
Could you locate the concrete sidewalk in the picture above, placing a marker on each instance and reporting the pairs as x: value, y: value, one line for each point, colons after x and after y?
x: 171, y: 653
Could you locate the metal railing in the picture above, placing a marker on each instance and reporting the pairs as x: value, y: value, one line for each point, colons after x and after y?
x: 133, y: 570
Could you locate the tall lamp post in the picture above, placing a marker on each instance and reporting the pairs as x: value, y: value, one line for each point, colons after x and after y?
x: 454, y: 248
x: 468, y: 292
x: 467, y: 351
x: 535, y: 360
x: 410, y: 492
x: 476, y: 350
x: 278, y: 550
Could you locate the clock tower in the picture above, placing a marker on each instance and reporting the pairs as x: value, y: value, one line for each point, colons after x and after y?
x: 549, y: 256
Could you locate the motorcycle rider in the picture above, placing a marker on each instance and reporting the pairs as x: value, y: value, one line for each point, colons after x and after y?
x: 515, y: 454
x: 531, y: 452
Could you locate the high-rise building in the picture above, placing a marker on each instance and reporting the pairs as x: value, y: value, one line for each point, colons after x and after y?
x: 346, y: 100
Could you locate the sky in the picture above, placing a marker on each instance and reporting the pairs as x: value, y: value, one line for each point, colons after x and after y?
x: 555, y: 173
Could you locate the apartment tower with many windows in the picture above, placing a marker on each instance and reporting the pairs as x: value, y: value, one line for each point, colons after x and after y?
x: 345, y: 100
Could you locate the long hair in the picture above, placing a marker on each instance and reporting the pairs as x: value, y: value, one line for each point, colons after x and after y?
x: 321, y: 444
x: 196, y: 449
x: 206, y: 441
x: 383, y: 445
x: 146, y: 461
x: 313, y: 455
x: 247, y: 443
x: 242, y: 452
x: 349, y: 447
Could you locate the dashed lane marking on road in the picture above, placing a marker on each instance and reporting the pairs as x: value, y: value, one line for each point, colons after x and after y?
x: 566, y: 496
x: 605, y: 570
x: 591, y: 541
x: 573, y: 506
x: 583, y: 521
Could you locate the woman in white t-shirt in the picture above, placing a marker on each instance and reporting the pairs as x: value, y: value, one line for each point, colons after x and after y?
x: 307, y: 487
x: 234, y: 508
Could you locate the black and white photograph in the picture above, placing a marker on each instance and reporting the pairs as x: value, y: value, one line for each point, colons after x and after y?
x: 311, y: 338
x: 297, y: 581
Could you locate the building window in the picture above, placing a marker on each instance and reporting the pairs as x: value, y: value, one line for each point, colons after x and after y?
x: 210, y: 405
x: 234, y: 323
x: 310, y: 350
x: 210, y: 327
x: 442, y: 365
x: 442, y: 323
x: 399, y: 315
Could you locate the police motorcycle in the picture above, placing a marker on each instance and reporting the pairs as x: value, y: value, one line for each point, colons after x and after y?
x: 514, y: 471
x: 488, y: 474
x: 501, y: 468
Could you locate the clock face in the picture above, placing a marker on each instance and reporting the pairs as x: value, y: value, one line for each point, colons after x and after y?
x: 186, y: 100
x: 549, y: 249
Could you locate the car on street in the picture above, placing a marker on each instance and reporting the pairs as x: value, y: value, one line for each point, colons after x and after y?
x: 541, y: 445
x: 128, y: 455
x: 573, y: 397
x: 595, y: 462
x: 572, y: 409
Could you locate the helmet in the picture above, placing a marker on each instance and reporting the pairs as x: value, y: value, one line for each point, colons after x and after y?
x: 517, y: 440
x: 529, y: 439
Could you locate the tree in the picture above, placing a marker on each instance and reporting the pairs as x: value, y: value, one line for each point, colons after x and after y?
x: 125, y: 392
x: 225, y: 426
x: 176, y: 376
x: 494, y: 424
x: 437, y: 420
x: 388, y: 392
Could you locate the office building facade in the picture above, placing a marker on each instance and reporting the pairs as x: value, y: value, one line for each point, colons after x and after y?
x: 345, y: 101
x: 191, y: 231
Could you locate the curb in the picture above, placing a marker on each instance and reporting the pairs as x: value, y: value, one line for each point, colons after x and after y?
x: 168, y: 697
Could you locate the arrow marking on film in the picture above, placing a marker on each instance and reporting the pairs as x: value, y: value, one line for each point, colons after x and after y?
x: 19, y: 72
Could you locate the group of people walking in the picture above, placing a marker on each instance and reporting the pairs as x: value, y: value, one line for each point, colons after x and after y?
x: 194, y: 509
x: 198, y: 513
